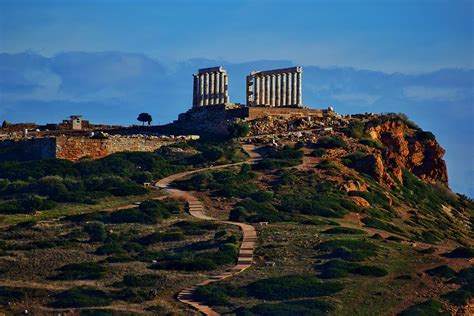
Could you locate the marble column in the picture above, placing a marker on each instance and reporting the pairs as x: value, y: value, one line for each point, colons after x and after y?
x: 272, y: 90
x: 226, y: 88
x: 283, y: 89
x: 262, y: 91
x: 206, y: 89
x: 278, y: 90
x: 211, y: 88
x: 300, y: 95
x: 256, y: 91
x: 221, y: 89
x: 267, y: 90
x: 290, y: 79
x: 294, y: 95
x: 201, y: 90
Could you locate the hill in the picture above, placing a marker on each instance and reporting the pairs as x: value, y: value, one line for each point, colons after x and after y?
x: 352, y: 217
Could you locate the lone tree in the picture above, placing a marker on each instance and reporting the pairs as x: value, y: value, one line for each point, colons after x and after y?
x: 145, y: 117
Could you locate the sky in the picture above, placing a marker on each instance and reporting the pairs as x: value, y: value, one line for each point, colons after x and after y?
x: 110, y: 59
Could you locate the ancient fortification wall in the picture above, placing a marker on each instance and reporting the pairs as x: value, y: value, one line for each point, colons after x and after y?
x: 29, y: 149
x: 75, y: 148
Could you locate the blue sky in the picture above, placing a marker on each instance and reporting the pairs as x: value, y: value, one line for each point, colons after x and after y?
x: 112, y: 59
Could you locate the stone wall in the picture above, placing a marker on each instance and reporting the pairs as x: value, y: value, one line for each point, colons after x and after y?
x: 75, y: 148
x: 28, y: 149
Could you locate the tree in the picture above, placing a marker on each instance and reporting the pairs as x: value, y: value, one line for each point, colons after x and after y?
x: 96, y: 231
x: 145, y: 117
x: 239, y: 129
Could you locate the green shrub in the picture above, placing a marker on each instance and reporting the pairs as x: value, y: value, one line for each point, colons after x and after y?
x: 378, y: 224
x: 218, y: 294
x: 239, y: 129
x: 310, y: 307
x: 348, y: 249
x: 339, y: 268
x: 81, y: 271
x: 460, y: 252
x: 262, y: 196
x: 292, y: 286
x: 355, y: 129
x: 424, y: 136
x: 459, y: 297
x: 370, y: 271
x: 112, y: 248
x: 442, y: 272
x: 238, y: 214
x: 8, y: 294
x: 343, y: 231
x: 319, y: 152
x: 145, y: 280
x: 330, y: 142
x: 195, y: 227
x: 372, y: 143
x: 96, y: 231
x: 81, y: 297
x: 427, y: 308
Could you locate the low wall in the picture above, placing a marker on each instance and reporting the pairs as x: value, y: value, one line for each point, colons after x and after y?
x: 75, y: 148
x: 28, y: 149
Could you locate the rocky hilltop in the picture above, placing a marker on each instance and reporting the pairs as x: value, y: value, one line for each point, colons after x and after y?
x: 382, y: 145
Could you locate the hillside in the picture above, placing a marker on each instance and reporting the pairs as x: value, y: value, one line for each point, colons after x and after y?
x: 353, y: 217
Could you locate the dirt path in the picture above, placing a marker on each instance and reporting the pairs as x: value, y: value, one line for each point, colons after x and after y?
x: 196, y: 209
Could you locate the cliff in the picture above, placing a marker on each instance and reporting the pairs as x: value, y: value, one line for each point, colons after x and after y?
x: 407, y: 147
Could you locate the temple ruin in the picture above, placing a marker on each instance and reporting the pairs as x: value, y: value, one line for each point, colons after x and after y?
x: 210, y: 87
x: 275, y: 88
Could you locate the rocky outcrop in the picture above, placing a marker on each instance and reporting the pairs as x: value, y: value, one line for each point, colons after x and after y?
x: 408, y: 148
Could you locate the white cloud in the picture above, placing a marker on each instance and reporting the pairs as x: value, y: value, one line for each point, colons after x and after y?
x: 421, y: 93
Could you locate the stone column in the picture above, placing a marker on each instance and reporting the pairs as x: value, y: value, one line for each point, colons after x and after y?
x: 294, y: 95
x: 262, y: 91
x: 278, y: 90
x: 256, y: 90
x: 290, y: 79
x: 217, y: 88
x: 300, y: 88
x: 283, y: 89
x: 267, y: 90
x: 222, y: 87
x: 206, y: 89
x: 195, y: 90
x: 226, y: 88
x: 211, y: 88
x: 201, y: 90
x: 272, y: 90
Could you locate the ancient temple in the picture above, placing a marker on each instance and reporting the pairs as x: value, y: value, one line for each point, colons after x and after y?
x: 210, y: 87
x: 275, y: 88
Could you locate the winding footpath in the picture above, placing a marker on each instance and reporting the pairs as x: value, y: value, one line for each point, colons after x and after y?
x: 196, y: 209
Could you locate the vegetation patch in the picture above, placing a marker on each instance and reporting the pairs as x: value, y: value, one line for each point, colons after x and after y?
x: 427, y: 308
x: 441, y: 272
x: 309, y: 307
x: 339, y: 268
x: 81, y: 271
x: 348, y: 249
x: 81, y: 297
x: 292, y: 286
x: 343, y: 231
x: 460, y: 252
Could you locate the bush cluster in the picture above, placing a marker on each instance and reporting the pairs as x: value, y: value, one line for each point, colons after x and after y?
x: 338, y: 268
x: 348, y: 249
x: 197, y: 261
x: 292, y: 286
x: 81, y: 271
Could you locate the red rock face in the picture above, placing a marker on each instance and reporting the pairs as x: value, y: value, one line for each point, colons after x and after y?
x: 406, y: 150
